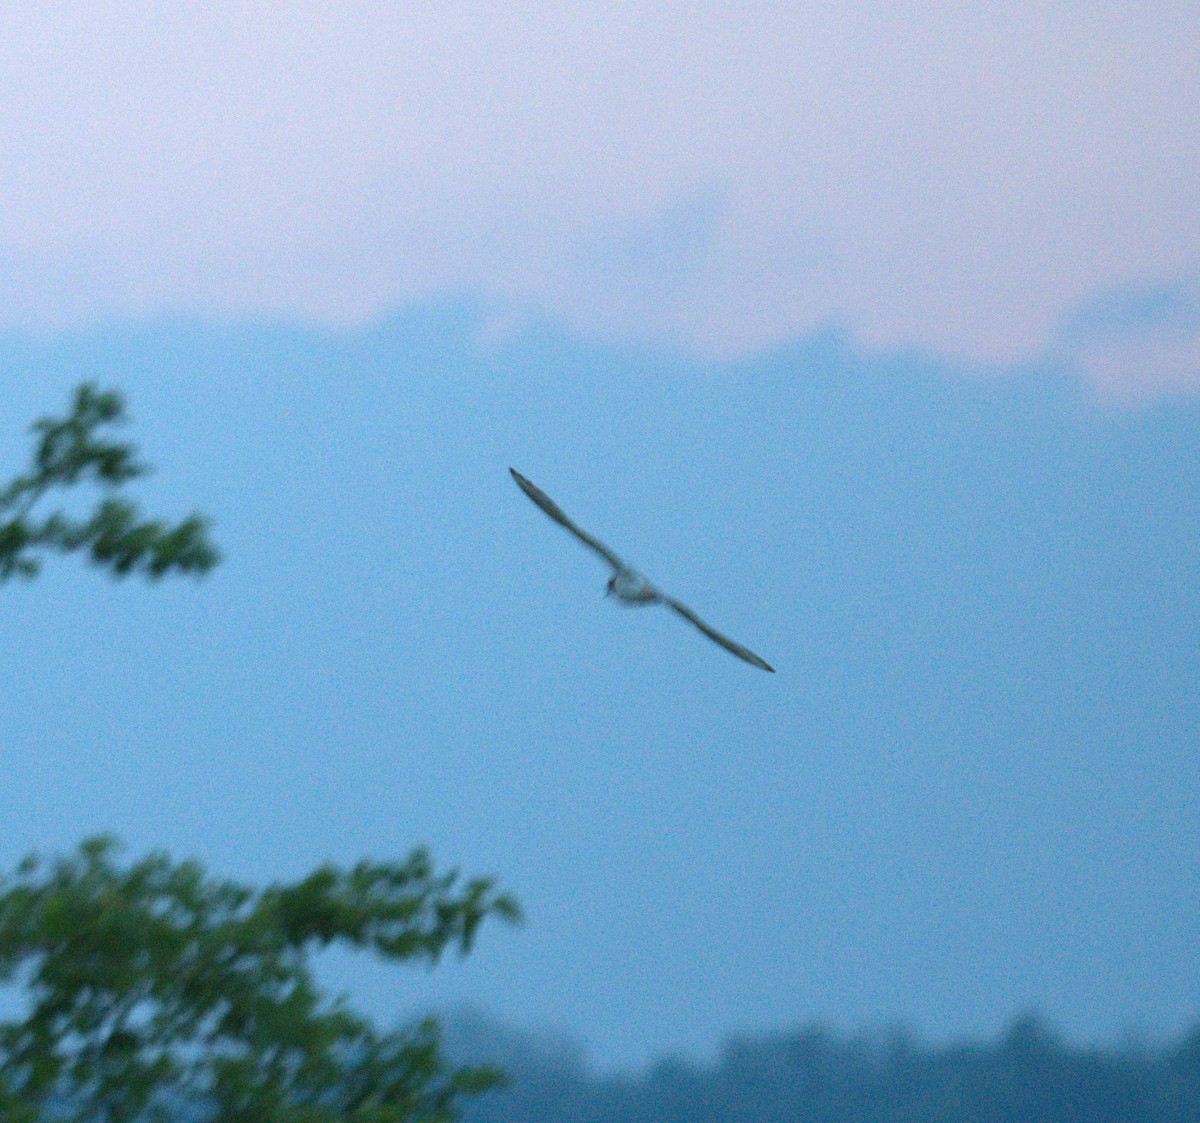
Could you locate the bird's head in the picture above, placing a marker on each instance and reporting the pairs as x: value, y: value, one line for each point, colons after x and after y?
x: 612, y: 582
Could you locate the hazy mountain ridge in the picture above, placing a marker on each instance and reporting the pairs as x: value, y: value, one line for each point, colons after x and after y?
x: 814, y: 1076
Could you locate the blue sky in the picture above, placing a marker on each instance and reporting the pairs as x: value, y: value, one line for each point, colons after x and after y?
x: 872, y: 334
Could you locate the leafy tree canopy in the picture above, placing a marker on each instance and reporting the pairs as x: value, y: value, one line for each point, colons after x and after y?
x: 156, y: 992
x: 152, y: 992
x: 73, y: 449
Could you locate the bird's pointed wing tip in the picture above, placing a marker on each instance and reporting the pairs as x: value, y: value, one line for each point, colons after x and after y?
x: 748, y: 656
x: 743, y: 653
x: 530, y: 488
x: 560, y: 516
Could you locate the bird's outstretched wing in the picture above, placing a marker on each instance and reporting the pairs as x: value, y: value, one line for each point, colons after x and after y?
x: 729, y: 645
x: 559, y: 516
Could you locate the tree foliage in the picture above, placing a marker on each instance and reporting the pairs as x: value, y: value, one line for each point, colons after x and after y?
x: 74, y: 449
x: 152, y: 992
x: 159, y: 993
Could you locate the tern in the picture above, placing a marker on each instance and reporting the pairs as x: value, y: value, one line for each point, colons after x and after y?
x: 626, y: 584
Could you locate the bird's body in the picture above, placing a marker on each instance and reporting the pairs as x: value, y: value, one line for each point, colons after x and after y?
x: 630, y: 587
x: 626, y: 584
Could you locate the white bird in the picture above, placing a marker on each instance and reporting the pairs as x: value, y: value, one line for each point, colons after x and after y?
x: 626, y: 584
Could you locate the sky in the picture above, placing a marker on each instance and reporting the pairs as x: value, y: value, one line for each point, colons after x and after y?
x: 871, y: 332
x: 966, y: 177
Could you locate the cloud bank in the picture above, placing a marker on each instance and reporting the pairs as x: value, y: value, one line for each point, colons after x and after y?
x: 961, y: 177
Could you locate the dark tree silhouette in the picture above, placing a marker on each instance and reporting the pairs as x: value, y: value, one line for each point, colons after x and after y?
x: 813, y: 1076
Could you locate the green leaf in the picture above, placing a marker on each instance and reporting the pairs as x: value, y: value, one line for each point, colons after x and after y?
x: 151, y: 984
x: 69, y: 451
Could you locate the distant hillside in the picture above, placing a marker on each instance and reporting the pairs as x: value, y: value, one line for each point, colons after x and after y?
x: 813, y: 1076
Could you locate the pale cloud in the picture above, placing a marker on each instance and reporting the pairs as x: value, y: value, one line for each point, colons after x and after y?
x: 1132, y: 372
x: 724, y: 176
x: 1137, y: 342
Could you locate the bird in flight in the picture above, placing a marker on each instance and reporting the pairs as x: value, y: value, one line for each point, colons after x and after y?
x: 626, y: 584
